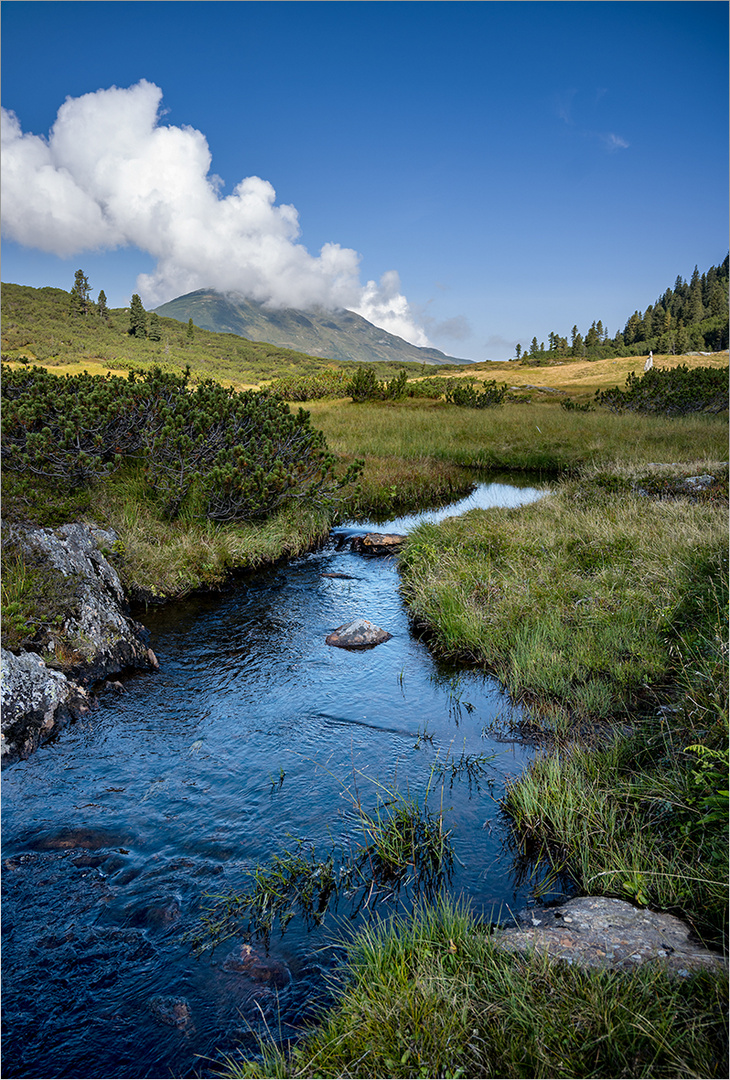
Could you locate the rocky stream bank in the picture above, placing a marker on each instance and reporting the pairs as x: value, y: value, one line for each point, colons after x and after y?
x: 89, y: 637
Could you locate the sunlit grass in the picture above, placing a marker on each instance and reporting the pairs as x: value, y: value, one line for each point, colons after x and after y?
x: 539, y: 437
x: 566, y: 599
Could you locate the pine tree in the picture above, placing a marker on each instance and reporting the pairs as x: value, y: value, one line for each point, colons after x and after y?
x: 696, y: 311
x: 80, y: 294
x: 534, y: 347
x: 154, y: 333
x: 137, y: 318
x: 518, y: 350
x: 101, y: 305
x: 718, y: 300
x: 191, y: 331
x: 592, y: 337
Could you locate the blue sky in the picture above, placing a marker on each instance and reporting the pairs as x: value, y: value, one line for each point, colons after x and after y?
x: 471, y: 174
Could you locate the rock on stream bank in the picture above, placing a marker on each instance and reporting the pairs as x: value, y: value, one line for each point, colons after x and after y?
x: 92, y: 637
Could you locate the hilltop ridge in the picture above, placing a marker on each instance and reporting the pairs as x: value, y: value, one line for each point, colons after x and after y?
x: 337, y: 335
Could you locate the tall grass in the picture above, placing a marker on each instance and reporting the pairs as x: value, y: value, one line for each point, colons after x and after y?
x: 431, y: 996
x: 567, y: 600
x: 163, y: 560
x: 646, y: 816
x: 516, y: 437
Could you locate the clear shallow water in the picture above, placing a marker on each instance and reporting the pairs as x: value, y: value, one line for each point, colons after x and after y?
x: 165, y: 794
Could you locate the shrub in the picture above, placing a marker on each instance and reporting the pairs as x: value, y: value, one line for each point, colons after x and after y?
x: 222, y: 454
x: 365, y: 386
x: 672, y: 391
x: 467, y: 396
x: 311, y: 387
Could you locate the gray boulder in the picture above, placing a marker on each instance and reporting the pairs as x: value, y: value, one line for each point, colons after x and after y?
x: 87, y: 636
x: 36, y: 702
x: 103, y: 639
x: 602, y: 932
x: 359, y: 634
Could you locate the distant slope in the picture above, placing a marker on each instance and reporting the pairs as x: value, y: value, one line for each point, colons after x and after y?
x: 339, y: 335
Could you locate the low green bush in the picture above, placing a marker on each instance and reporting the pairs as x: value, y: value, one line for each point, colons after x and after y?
x: 215, y: 452
x: 671, y: 391
x: 311, y: 387
x: 466, y: 395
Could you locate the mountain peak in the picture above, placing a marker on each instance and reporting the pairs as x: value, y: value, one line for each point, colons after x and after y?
x: 336, y: 335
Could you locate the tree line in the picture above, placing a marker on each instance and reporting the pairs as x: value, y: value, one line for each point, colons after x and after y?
x: 691, y: 316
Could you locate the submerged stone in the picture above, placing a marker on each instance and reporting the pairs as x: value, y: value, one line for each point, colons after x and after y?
x: 246, y: 960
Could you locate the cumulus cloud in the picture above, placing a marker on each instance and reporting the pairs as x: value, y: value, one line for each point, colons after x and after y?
x: 110, y: 174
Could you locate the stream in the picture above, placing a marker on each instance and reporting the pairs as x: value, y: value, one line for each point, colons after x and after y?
x: 253, y: 736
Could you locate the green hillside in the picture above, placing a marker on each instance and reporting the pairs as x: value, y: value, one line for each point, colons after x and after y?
x: 40, y: 326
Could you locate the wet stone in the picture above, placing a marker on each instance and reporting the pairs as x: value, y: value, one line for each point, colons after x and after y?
x: 359, y: 634
x: 173, y: 1011
x: 377, y: 543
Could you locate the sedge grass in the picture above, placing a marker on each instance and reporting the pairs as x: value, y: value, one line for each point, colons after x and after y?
x: 431, y: 996
x: 538, y: 437
x: 567, y: 600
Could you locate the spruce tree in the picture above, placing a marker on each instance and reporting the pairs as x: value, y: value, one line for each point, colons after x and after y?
x: 101, y: 305
x: 80, y: 294
x: 154, y: 333
x: 696, y: 310
x: 137, y: 318
x: 191, y: 332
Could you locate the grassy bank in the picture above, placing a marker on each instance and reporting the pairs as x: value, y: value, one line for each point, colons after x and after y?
x: 430, y: 996
x: 569, y: 600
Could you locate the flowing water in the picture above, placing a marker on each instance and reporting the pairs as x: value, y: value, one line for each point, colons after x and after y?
x: 253, y: 735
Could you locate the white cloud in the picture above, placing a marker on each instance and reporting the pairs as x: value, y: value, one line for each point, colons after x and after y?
x: 614, y: 142
x: 110, y: 174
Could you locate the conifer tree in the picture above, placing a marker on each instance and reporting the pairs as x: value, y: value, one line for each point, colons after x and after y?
x: 137, y: 318
x: 80, y: 294
x: 101, y: 305
x: 191, y: 331
x: 154, y: 333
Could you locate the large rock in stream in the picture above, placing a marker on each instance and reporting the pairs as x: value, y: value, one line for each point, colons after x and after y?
x: 359, y: 634
x: 90, y: 636
x: 377, y: 543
